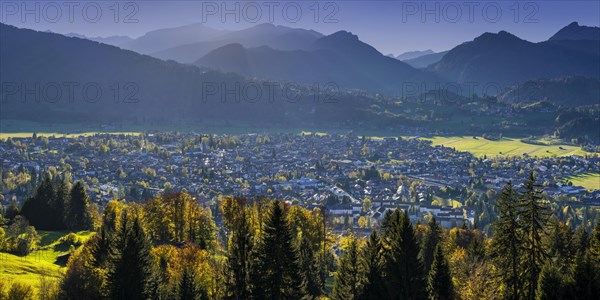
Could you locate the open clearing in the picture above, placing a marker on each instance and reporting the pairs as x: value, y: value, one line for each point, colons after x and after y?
x: 40, y: 263
x: 590, y: 181
x: 479, y: 147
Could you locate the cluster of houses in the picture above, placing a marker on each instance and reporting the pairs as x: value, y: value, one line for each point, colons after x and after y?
x: 303, y: 169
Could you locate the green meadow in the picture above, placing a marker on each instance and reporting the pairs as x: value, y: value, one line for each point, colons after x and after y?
x: 479, y: 147
x: 41, y: 263
x: 590, y: 181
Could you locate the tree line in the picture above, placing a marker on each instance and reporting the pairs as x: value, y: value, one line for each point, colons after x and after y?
x: 172, y: 248
x: 58, y: 206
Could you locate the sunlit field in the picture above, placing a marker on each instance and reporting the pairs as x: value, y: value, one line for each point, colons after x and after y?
x: 590, y: 181
x: 480, y: 147
x: 41, y: 263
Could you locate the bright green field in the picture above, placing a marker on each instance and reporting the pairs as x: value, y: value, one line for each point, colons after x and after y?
x: 505, y: 147
x: 55, y: 134
x: 590, y: 181
x: 30, y: 268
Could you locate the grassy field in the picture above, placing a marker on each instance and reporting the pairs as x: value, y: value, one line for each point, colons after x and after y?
x: 590, y: 181
x: 505, y: 147
x: 31, y: 268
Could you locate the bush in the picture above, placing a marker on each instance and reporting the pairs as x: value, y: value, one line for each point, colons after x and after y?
x: 67, y: 241
x: 20, y: 291
x: 20, y: 237
x: 48, y: 288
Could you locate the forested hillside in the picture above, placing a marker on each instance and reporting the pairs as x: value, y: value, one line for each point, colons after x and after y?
x: 173, y: 248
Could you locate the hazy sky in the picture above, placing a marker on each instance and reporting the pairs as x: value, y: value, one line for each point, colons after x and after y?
x: 390, y: 26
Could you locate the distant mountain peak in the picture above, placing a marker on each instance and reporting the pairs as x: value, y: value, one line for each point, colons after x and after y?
x: 500, y: 37
x: 574, y: 31
x: 266, y: 25
x: 414, y: 54
x: 341, y: 38
x: 346, y: 43
x: 343, y: 34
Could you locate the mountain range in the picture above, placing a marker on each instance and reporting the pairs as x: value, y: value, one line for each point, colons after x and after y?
x: 48, y: 77
x: 276, y: 53
x: 425, y: 60
x: 413, y: 54
x: 503, y: 59
x: 340, y: 58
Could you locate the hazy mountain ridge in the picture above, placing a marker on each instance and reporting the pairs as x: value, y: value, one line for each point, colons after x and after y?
x: 426, y: 60
x: 569, y: 91
x: 115, y: 40
x: 414, y: 54
x: 163, y: 91
x: 504, y: 59
x: 161, y: 39
x: 574, y: 31
x: 340, y: 58
x: 276, y: 37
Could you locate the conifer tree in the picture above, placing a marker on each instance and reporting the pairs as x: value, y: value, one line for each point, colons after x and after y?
x: 430, y: 243
x: 39, y: 209
x: 78, y: 214
x: 386, y: 222
x: 372, y: 266
x: 131, y: 268
x: 439, y: 281
x: 60, y: 204
x: 560, y: 245
x: 595, y: 243
x: 405, y: 277
x: 275, y: 269
x: 533, y: 215
x: 586, y: 278
x: 309, y: 267
x: 550, y: 284
x: 238, y: 256
x: 581, y: 240
x: 347, y: 284
x: 188, y: 288
x: 506, y: 242
x: 99, y: 245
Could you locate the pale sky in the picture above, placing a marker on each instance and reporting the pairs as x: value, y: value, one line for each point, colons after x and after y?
x: 390, y: 26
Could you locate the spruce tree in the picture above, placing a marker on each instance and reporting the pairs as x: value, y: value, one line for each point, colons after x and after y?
x: 507, y: 241
x: 309, y: 268
x: 560, y: 245
x: 430, y: 243
x: 595, y: 243
x: 39, y: 209
x: 586, y: 278
x: 550, y: 284
x: 275, y: 268
x: 78, y: 214
x: 372, y: 266
x: 439, y: 281
x: 386, y: 222
x: 188, y: 288
x: 131, y: 268
x: 239, y: 248
x: 100, y: 245
x: 347, y: 282
x: 60, y: 204
x: 533, y: 215
x: 581, y: 240
x: 405, y: 277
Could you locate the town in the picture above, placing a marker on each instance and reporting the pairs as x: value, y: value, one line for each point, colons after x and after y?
x: 357, y: 179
